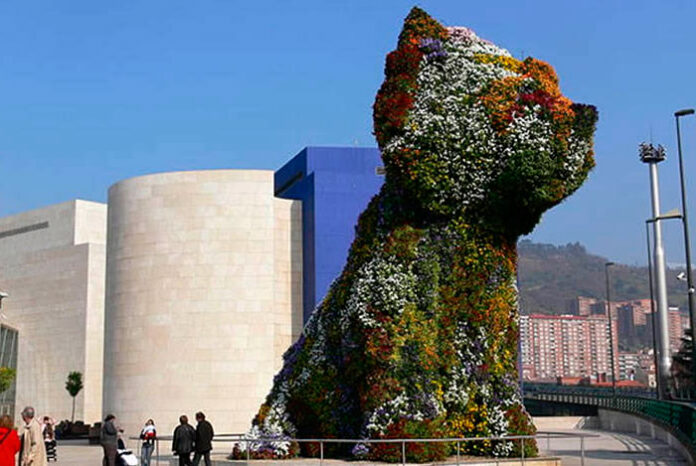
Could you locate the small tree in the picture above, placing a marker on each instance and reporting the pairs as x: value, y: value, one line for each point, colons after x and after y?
x: 73, y: 385
x: 7, y: 375
x: 682, y: 364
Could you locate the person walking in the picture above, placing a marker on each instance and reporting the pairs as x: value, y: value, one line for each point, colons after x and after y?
x: 109, y: 440
x: 204, y: 439
x: 33, y: 450
x: 183, y: 441
x: 9, y: 441
x: 148, y: 435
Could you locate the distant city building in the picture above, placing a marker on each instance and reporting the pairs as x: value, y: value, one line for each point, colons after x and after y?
x: 540, y: 335
x: 646, y: 361
x: 641, y: 309
x: 629, y: 365
x: 584, y: 306
x: 566, y: 346
x: 678, y: 322
x: 634, y: 321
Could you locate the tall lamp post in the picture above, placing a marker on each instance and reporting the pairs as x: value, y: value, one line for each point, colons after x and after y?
x: 661, y: 390
x: 656, y: 360
x: 687, y: 242
x: 3, y: 295
x: 611, y: 332
x: 652, y: 156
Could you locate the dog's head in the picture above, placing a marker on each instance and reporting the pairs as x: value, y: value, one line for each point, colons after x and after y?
x: 467, y: 129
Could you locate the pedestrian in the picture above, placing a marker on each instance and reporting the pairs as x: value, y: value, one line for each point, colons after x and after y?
x: 109, y: 440
x: 148, y: 435
x: 204, y: 439
x: 183, y: 441
x: 9, y: 441
x: 49, y: 436
x: 33, y: 451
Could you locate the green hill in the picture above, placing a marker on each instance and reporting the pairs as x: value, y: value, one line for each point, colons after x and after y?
x: 550, y: 276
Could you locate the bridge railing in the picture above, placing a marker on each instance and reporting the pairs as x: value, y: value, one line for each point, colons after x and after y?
x: 678, y: 418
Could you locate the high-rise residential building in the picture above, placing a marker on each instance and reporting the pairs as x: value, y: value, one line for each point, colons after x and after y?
x: 678, y: 322
x: 641, y: 309
x: 626, y: 324
x: 566, y: 346
x: 629, y: 365
x: 584, y: 306
x: 646, y: 362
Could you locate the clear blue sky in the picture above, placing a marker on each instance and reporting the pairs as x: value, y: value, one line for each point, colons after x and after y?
x: 94, y: 92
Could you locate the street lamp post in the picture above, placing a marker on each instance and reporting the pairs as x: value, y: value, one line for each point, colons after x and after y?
x: 659, y: 382
x: 652, y: 156
x: 652, y: 310
x: 611, y: 332
x: 3, y: 295
x: 687, y: 242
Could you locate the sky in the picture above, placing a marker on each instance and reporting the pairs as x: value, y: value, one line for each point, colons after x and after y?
x: 95, y: 92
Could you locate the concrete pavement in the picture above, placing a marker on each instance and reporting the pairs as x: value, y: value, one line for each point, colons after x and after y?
x: 613, y: 449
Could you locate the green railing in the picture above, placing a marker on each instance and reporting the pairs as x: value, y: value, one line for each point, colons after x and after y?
x: 677, y: 417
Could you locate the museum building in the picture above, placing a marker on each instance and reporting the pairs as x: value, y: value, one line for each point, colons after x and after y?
x: 183, y: 294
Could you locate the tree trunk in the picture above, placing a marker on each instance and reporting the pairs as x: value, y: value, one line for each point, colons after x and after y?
x: 72, y: 418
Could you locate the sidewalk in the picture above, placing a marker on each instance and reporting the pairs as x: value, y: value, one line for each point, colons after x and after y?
x: 613, y: 449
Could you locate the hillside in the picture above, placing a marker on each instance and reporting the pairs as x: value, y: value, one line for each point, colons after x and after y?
x: 550, y: 276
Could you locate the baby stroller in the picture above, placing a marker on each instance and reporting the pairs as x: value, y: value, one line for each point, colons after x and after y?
x: 49, y: 438
x: 124, y: 456
x: 51, y: 454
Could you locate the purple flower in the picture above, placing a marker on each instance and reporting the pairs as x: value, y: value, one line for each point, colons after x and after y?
x: 360, y: 450
x: 432, y: 48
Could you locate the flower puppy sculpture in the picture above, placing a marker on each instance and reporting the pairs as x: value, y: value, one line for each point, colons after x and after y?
x: 418, y: 336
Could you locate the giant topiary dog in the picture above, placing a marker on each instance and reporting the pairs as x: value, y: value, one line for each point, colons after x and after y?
x: 418, y: 336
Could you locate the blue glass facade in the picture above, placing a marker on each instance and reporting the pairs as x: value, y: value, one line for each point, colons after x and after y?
x: 335, y: 185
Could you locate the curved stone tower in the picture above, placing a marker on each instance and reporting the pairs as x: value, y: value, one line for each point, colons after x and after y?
x: 418, y: 336
x: 203, y: 293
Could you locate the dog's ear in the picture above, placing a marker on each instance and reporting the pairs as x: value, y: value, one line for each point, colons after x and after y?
x: 395, y: 96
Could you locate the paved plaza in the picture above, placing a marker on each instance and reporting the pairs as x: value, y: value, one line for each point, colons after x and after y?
x: 608, y: 449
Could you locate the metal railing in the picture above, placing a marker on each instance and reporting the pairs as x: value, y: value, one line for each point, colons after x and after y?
x: 531, y: 388
x: 678, y: 418
x: 248, y: 441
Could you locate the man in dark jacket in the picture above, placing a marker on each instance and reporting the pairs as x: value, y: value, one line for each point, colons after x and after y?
x: 183, y: 441
x: 109, y: 440
x: 204, y: 440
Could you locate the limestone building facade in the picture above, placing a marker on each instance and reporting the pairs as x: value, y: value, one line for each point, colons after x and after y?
x: 203, y: 296
x: 191, y: 301
x: 52, y: 263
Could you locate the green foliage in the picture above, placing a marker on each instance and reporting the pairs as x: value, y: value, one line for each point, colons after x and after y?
x: 7, y: 375
x: 74, y: 383
x: 682, y: 364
